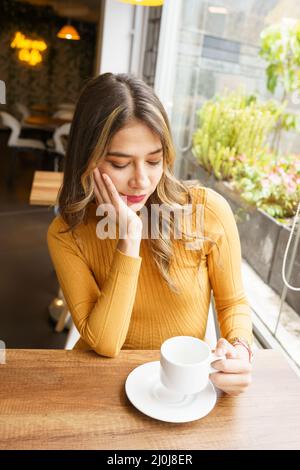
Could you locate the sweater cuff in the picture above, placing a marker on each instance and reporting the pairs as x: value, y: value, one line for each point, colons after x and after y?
x: 125, y: 264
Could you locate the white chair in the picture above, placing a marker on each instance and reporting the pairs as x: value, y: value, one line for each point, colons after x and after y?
x: 2, y: 92
x: 56, y: 145
x: 58, y: 136
x: 22, y: 110
x: 212, y: 333
x: 73, y: 337
x: 16, y: 143
x: 64, y: 114
x: 59, y: 312
x: 66, y: 106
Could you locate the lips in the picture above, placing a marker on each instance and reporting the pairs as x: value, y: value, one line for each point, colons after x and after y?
x: 134, y: 198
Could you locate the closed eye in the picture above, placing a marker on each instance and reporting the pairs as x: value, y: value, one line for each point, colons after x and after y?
x: 124, y: 166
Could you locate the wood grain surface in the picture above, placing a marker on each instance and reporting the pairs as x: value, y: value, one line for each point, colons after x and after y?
x: 45, y: 187
x: 60, y: 399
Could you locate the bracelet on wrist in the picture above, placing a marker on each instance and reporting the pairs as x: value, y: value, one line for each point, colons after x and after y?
x: 243, y: 342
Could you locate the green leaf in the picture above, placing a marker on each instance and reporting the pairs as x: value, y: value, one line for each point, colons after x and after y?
x: 272, y: 78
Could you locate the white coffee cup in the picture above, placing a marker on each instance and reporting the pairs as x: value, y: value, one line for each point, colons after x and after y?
x: 185, y: 364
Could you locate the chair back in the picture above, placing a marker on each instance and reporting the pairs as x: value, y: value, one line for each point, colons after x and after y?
x: 72, y: 337
x: 11, y: 122
x: 2, y: 92
x: 61, y: 131
x: 212, y: 333
x: 64, y: 114
x: 23, y: 110
x: 66, y: 106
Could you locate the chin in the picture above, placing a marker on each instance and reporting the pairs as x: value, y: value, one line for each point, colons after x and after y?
x: 136, y: 206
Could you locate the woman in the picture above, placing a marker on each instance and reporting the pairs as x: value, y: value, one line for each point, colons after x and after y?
x: 135, y: 289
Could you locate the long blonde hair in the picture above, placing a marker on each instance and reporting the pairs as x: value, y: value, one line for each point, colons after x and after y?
x: 106, y: 104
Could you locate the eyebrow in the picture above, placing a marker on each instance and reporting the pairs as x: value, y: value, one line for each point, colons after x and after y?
x: 126, y: 155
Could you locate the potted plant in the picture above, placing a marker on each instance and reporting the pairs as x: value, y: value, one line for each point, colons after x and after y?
x: 231, y: 146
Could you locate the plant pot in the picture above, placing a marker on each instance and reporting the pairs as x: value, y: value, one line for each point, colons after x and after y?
x: 276, y: 282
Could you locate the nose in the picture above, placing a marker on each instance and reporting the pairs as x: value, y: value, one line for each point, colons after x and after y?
x: 140, y: 179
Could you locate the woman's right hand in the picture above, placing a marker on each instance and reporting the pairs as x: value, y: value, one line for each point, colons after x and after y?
x: 106, y: 193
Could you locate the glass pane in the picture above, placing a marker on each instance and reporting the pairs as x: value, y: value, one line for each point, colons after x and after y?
x: 218, y: 44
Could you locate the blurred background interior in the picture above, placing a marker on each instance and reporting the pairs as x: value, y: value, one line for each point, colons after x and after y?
x: 228, y: 74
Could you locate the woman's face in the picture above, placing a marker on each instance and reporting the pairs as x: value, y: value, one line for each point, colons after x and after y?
x: 134, y: 162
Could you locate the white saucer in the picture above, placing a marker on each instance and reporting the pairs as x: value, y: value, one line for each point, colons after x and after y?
x: 148, y: 395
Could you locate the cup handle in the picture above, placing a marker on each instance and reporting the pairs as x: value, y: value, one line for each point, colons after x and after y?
x: 214, y: 357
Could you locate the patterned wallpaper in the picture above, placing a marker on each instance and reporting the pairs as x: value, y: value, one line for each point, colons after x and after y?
x: 65, y: 66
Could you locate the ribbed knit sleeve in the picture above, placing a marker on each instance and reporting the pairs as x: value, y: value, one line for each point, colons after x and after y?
x: 224, y: 268
x: 101, y: 313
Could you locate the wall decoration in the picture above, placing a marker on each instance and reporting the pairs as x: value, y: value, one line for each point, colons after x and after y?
x: 65, y: 67
x: 29, y: 49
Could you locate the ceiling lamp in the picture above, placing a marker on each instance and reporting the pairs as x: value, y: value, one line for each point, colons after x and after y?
x: 68, y: 32
x: 145, y: 3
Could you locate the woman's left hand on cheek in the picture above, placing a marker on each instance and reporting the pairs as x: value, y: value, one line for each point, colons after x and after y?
x: 234, y: 372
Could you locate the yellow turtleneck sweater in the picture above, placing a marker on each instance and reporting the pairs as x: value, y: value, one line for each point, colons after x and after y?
x: 118, y: 301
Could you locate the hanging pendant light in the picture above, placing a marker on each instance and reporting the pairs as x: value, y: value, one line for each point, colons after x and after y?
x: 68, y: 32
x: 145, y: 3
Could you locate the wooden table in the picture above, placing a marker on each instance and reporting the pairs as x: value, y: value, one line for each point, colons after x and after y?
x: 45, y: 187
x: 60, y: 399
x: 40, y: 108
x: 44, y: 122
